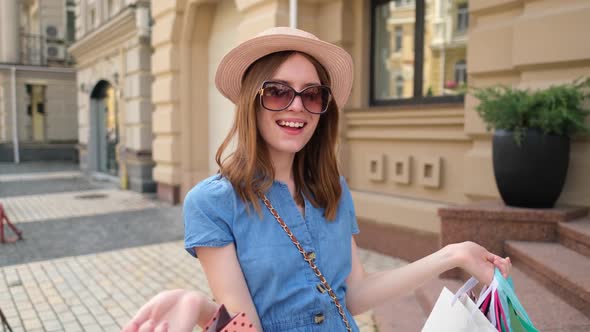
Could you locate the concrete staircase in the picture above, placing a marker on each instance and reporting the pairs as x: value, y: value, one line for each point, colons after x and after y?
x: 563, y: 266
x: 551, y: 274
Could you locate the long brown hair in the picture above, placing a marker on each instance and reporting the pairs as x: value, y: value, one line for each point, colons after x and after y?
x: 249, y: 168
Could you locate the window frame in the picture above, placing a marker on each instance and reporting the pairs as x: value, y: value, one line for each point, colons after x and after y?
x: 399, y: 43
x: 462, y: 17
x: 460, y: 66
x: 418, y: 97
x: 399, y: 82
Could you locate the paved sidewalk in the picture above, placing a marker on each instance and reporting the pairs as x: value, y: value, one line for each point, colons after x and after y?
x: 93, y: 254
x: 101, y: 292
x: 40, y: 176
x: 56, y: 238
x: 35, y: 167
x: 31, y: 208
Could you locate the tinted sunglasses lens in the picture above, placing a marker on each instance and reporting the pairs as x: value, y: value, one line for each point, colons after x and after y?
x: 316, y: 98
x: 276, y: 96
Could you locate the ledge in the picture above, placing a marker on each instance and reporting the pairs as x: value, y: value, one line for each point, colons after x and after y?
x: 105, y: 35
x: 498, y: 211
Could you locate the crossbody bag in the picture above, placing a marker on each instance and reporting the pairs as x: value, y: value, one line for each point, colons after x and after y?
x: 309, y: 258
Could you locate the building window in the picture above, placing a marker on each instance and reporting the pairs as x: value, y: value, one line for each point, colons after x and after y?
x: 92, y: 18
x: 460, y: 72
x: 71, y: 21
x: 400, y: 3
x: 413, y: 59
x: 399, y: 87
x: 382, y: 53
x: 399, y: 37
x: 462, y: 18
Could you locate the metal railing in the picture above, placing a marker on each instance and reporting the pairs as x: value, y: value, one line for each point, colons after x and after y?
x: 38, y: 50
x: 33, y: 50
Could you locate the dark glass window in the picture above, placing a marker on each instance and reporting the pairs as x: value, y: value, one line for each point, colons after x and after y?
x: 460, y: 72
x: 71, y: 26
x: 70, y: 21
x: 399, y: 38
x: 462, y: 17
x: 417, y: 51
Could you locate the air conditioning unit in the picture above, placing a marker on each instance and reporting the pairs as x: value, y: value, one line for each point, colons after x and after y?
x: 55, y: 51
x: 53, y: 33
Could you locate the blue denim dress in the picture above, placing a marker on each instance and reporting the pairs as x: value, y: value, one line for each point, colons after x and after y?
x: 282, y: 285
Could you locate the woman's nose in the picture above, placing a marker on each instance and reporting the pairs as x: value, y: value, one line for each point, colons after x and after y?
x: 297, y: 104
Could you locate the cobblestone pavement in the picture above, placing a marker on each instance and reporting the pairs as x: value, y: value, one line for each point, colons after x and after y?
x: 74, y: 204
x: 101, y: 292
x: 93, y: 256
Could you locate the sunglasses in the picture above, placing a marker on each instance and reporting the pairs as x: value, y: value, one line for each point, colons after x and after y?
x: 277, y: 96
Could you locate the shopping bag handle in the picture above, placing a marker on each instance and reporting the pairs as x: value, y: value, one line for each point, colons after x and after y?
x: 467, y: 286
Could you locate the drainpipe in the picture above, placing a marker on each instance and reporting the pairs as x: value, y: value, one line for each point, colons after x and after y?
x: 14, y: 116
x: 293, y: 13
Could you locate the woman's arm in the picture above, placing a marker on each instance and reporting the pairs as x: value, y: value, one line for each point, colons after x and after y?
x: 366, y: 291
x: 226, y: 280
x: 181, y: 310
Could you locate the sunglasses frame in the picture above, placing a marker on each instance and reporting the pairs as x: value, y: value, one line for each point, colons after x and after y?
x: 295, y: 94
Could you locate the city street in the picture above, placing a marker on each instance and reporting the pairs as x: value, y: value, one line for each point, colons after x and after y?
x: 93, y: 254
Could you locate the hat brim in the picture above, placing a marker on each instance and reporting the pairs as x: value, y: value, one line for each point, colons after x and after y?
x: 336, y: 61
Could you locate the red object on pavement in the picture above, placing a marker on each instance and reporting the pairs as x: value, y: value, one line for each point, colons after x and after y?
x: 4, y: 218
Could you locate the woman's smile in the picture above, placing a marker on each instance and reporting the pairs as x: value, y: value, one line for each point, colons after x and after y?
x: 292, y: 126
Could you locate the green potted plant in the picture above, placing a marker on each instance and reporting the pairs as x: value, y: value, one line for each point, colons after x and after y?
x: 531, y: 142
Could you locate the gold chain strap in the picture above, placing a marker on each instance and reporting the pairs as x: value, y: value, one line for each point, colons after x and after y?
x: 307, y: 258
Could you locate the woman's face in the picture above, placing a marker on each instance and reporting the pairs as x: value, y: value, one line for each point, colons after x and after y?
x: 287, y: 131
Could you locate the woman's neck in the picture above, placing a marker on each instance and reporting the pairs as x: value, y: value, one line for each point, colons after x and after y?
x: 283, y: 166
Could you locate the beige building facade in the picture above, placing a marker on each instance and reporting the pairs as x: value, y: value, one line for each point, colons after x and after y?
x: 112, y: 52
x: 403, y: 160
x: 37, y: 82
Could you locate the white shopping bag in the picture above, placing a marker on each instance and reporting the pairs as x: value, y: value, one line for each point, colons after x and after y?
x: 452, y: 315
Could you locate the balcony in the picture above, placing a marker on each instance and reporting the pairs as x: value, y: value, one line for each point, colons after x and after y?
x: 38, y: 50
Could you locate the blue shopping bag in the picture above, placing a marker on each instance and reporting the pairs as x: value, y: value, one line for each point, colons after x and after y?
x: 519, y: 320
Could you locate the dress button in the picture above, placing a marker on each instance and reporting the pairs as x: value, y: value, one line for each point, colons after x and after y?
x: 319, y: 318
x: 311, y: 255
x: 321, y: 288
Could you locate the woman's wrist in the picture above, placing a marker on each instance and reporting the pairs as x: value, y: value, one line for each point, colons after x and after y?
x: 206, y: 308
x: 451, y: 256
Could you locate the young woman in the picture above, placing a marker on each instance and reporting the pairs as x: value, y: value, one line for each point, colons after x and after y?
x: 288, y: 87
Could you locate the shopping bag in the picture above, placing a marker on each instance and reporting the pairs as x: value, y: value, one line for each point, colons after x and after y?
x: 456, y: 313
x: 511, y: 302
x: 515, y: 323
x: 222, y: 320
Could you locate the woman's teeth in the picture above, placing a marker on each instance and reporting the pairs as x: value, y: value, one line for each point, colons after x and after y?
x: 291, y: 124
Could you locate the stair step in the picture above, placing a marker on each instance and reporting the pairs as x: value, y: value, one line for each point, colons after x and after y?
x: 548, y: 311
x: 562, y: 270
x: 576, y: 235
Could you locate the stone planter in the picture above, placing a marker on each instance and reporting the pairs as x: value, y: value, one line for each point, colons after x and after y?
x: 531, y: 175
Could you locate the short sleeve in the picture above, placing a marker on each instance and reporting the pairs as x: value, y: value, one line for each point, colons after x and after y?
x: 208, y: 214
x: 349, y: 206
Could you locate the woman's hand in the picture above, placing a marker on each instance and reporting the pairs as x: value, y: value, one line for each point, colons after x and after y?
x: 479, y: 262
x: 174, y: 310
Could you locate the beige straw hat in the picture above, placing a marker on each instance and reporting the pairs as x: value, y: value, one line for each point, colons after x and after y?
x: 335, y: 60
